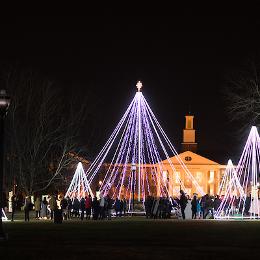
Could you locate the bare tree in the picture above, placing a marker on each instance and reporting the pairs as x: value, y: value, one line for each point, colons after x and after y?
x: 43, y: 130
x: 243, y: 97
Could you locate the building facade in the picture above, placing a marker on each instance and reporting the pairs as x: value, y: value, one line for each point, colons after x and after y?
x: 206, y: 172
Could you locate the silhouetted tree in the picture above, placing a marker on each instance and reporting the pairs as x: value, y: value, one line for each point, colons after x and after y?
x: 43, y: 129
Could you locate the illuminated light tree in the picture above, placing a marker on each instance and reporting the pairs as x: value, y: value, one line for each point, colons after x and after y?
x: 230, y: 191
x: 4, y: 217
x: 247, y: 172
x: 134, y: 153
x: 229, y: 178
x: 79, y: 186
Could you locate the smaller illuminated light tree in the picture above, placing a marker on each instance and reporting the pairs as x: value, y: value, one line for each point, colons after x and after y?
x: 246, y: 175
x: 79, y: 186
x: 230, y: 191
x: 230, y: 178
x: 4, y: 217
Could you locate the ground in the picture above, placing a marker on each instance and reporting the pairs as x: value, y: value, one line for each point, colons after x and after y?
x: 131, y: 238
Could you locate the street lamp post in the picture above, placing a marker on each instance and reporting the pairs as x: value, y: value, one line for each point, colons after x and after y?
x: 4, y: 105
x: 133, y: 168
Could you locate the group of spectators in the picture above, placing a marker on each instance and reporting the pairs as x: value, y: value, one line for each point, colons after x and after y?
x: 195, y: 207
x: 103, y: 207
x: 159, y: 207
x: 84, y: 208
x: 203, y: 207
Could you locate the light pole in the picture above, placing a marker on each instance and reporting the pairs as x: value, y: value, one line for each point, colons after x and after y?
x: 4, y: 105
x: 133, y: 168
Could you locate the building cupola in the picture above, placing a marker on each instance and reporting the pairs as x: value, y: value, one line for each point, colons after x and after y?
x: 189, y: 140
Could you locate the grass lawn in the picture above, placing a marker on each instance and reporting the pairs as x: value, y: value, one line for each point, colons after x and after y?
x: 131, y: 238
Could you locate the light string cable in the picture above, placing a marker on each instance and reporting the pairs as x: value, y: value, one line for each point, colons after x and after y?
x: 154, y: 153
x: 199, y: 189
x: 116, y: 160
x: 108, y: 145
x: 132, y: 119
x: 125, y: 144
x: 128, y: 152
x: 151, y: 147
x: 149, y: 113
x: 226, y: 178
x: 152, y: 117
x: 224, y: 187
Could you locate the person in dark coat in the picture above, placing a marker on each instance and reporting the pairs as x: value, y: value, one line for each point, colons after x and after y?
x: 194, y: 203
x: 82, y: 208
x: 216, y: 203
x: 124, y: 206
x: 95, y: 206
x: 183, y: 203
x: 88, y: 206
x: 64, y: 208
x: 76, y: 206
x: 247, y: 204
x: 69, y: 207
x: 27, y: 208
x: 109, y: 207
x: 118, y: 207
x: 14, y: 205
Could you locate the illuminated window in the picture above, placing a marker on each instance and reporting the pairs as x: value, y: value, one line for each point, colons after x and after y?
x: 177, y: 177
x: 198, y: 176
x: 189, y: 124
x: 165, y: 176
x: 211, y: 176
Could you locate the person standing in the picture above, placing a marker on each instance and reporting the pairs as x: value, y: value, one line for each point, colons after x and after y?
x: 14, y: 205
x: 53, y: 205
x: 101, y: 207
x: 37, y: 207
x: 69, y: 207
x: 117, y: 207
x: 64, y: 208
x: 95, y: 206
x: 155, y: 207
x: 216, y: 203
x: 124, y: 206
x: 183, y: 203
x: 194, y: 203
x: 198, y: 209
x: 109, y: 207
x: 76, y: 207
x: 88, y: 205
x: 27, y: 206
x: 43, y: 209
x: 82, y: 208
x: 57, y: 216
x: 203, y: 205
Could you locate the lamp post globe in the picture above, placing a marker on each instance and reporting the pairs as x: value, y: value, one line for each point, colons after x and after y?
x: 4, y: 105
x: 133, y: 169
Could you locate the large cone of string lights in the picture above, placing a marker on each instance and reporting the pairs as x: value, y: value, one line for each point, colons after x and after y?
x: 130, y: 163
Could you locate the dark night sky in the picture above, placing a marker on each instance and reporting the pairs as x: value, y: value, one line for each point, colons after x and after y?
x: 183, y: 62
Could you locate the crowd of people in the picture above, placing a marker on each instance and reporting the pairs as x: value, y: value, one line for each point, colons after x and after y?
x: 195, y: 207
x: 105, y: 207
x: 67, y: 208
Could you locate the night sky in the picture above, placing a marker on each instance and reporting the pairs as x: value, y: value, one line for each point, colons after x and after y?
x: 183, y: 62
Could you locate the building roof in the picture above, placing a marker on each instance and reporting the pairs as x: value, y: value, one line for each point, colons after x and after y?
x: 190, y: 158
